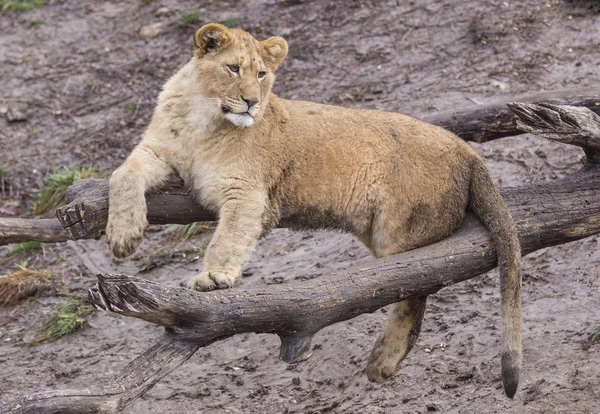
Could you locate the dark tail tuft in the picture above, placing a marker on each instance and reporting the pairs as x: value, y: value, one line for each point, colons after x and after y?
x: 511, y: 368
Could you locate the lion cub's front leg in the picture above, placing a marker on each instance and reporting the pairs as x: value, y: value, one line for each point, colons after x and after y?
x: 127, y: 202
x: 240, y: 226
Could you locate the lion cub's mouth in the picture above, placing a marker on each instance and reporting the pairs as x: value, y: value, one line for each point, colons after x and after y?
x: 228, y: 110
x: 240, y: 119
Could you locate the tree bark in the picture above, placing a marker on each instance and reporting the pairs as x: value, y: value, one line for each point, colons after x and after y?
x: 16, y: 230
x: 490, y: 122
x: 546, y: 214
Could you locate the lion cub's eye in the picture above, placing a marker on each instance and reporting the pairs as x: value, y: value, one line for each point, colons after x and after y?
x: 234, y: 68
x: 261, y: 75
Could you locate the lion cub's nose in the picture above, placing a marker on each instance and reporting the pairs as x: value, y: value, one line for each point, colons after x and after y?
x: 250, y: 102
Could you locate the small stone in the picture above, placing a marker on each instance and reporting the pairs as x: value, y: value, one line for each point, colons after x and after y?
x: 501, y: 86
x: 150, y: 30
x: 161, y: 11
x: 15, y: 115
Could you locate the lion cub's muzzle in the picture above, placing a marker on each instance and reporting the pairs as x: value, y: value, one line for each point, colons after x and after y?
x: 240, y: 112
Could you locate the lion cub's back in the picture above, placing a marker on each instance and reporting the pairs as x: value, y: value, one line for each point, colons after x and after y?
x: 331, y: 139
x: 354, y: 162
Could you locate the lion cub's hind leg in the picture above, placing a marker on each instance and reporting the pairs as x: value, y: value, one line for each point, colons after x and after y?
x: 400, y: 334
x: 404, y: 321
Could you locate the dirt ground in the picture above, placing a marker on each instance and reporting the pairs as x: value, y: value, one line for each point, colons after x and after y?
x: 87, y: 81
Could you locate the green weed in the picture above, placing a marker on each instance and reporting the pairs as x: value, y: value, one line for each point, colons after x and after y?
x: 163, y: 256
x: 155, y: 259
x: 188, y: 231
x: 35, y: 23
x: 594, y: 336
x: 230, y: 22
x: 65, y: 319
x: 56, y: 186
x: 19, y: 5
x: 25, y: 248
x: 130, y: 108
x: 188, y: 18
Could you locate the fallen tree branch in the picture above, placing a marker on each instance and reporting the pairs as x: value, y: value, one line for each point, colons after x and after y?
x: 566, y: 124
x: 136, y: 378
x: 493, y: 121
x: 546, y: 214
x: 16, y: 230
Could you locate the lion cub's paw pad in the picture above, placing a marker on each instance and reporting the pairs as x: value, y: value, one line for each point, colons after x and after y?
x: 206, y: 281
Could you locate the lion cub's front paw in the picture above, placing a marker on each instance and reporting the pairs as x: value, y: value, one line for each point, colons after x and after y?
x: 123, y: 239
x: 210, y: 280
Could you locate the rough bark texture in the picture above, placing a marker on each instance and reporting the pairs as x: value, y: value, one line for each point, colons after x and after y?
x: 547, y: 214
x: 16, y: 230
x: 567, y: 124
x: 86, y: 212
x: 490, y: 122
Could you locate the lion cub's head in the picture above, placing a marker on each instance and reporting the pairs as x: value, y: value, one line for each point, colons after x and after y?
x: 238, y: 70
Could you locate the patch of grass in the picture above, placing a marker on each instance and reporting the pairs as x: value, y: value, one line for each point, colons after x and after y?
x: 188, y: 231
x: 21, y: 284
x: 19, y: 5
x: 56, y: 186
x: 163, y: 256
x: 194, y: 251
x: 155, y: 259
x: 188, y: 18
x: 130, y: 108
x: 3, y: 171
x: 25, y: 248
x: 594, y: 336
x: 230, y: 22
x: 65, y: 319
x: 35, y: 131
x: 34, y: 23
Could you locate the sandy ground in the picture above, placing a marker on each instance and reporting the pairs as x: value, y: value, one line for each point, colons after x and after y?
x: 76, y: 73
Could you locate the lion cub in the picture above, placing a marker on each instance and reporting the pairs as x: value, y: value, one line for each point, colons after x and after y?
x: 257, y: 160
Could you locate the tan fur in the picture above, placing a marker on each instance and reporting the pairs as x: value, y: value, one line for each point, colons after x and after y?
x: 257, y: 160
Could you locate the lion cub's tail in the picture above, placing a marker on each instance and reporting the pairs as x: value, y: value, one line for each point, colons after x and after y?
x: 490, y: 208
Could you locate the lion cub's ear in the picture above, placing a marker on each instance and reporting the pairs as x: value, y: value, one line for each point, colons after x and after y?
x: 275, y: 49
x: 211, y: 38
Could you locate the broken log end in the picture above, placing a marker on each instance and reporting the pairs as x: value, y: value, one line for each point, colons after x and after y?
x: 568, y: 124
x: 97, y: 299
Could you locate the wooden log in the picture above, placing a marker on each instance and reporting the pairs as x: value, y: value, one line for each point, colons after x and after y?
x: 567, y: 124
x: 546, y: 214
x: 86, y: 213
x: 136, y: 378
x: 493, y: 121
x: 17, y: 230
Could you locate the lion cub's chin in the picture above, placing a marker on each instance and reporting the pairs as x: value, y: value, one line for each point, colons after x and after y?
x: 240, y: 120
